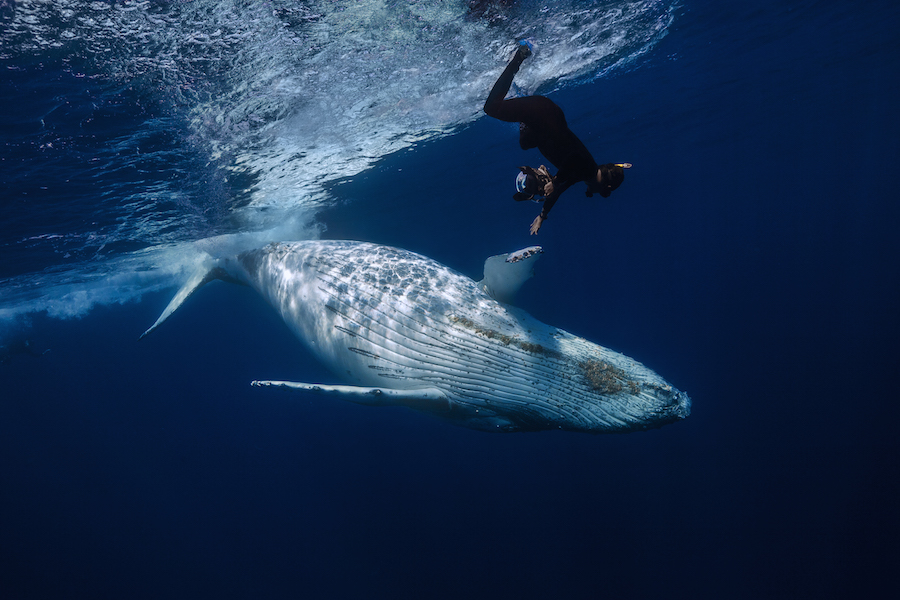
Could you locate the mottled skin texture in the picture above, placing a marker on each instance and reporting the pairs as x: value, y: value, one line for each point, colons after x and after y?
x: 384, y: 317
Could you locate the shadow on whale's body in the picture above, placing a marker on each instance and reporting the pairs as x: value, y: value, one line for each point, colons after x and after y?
x: 402, y: 329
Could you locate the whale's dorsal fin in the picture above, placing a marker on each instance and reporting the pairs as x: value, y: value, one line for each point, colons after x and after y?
x: 427, y: 399
x: 504, y: 274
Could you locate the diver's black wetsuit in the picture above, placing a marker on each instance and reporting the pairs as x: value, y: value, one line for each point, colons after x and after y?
x: 543, y: 125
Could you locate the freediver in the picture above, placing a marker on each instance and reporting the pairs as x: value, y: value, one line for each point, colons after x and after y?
x: 542, y: 125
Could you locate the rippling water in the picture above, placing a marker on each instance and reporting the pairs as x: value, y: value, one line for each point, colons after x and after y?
x: 751, y: 257
x: 139, y: 127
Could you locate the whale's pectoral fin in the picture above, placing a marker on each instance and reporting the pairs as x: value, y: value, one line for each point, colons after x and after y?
x: 506, y: 273
x: 426, y: 399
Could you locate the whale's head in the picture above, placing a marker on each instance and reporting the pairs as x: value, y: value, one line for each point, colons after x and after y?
x: 627, y: 391
x: 551, y: 379
x: 625, y: 397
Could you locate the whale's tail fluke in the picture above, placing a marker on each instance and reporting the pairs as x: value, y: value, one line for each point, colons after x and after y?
x: 200, y: 278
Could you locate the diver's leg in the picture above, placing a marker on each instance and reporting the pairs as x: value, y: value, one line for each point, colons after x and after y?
x: 492, y: 106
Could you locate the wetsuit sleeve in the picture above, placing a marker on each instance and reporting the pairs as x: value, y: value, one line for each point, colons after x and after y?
x: 558, y: 188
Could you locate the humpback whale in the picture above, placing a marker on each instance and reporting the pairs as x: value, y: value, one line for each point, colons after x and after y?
x: 400, y: 329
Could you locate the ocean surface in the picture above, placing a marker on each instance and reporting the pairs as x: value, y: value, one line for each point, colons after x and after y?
x: 751, y: 257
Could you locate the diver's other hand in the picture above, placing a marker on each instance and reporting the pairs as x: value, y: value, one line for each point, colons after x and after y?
x: 548, y: 189
x: 536, y: 224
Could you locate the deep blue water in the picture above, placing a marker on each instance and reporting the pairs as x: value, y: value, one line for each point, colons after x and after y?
x: 750, y: 257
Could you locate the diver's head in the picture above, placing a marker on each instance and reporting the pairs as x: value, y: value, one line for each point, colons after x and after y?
x: 531, y: 182
x: 609, y: 177
x: 526, y: 185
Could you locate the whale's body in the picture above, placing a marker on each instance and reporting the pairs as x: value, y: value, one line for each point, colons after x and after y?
x: 401, y: 329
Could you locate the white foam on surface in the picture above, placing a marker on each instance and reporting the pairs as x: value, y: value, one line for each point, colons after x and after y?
x: 288, y: 97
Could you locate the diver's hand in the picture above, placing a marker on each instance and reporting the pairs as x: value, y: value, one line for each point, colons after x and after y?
x: 548, y: 189
x: 536, y: 224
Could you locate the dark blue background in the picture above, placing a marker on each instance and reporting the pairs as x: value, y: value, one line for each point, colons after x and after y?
x: 751, y: 258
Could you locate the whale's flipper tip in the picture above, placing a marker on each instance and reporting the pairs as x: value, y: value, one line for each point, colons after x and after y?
x: 504, y: 274
x: 524, y: 254
x: 429, y: 399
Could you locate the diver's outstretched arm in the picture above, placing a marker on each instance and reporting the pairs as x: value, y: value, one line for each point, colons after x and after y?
x: 558, y: 188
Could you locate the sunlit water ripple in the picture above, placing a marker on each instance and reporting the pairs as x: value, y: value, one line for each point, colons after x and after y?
x: 147, y: 126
